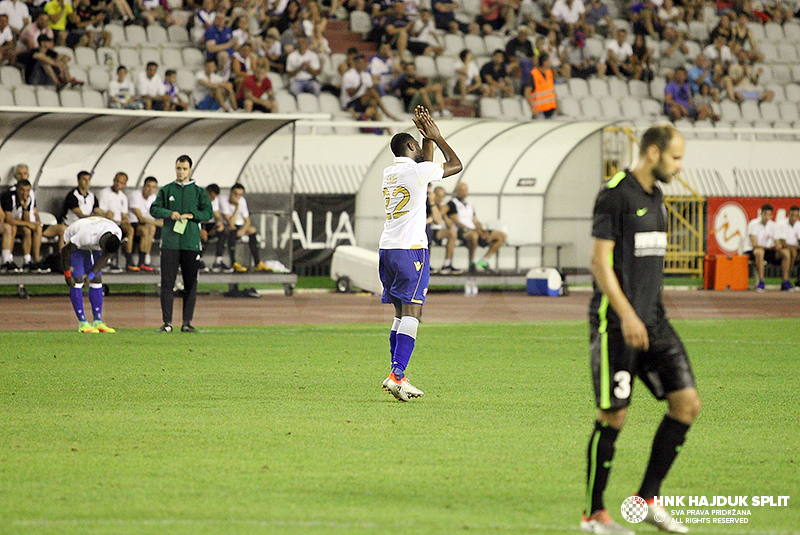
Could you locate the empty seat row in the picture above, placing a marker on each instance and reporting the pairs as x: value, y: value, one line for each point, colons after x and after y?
x: 47, y: 97
x: 110, y: 58
x: 153, y: 36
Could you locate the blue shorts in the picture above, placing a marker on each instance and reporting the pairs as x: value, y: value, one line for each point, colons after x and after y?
x: 81, y: 262
x: 208, y: 103
x: 404, y: 274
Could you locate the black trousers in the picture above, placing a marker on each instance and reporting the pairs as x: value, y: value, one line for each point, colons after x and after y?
x: 171, y: 259
x: 252, y: 243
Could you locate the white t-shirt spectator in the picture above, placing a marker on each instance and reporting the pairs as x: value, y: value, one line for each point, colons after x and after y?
x: 295, y: 59
x: 424, y: 32
x: 621, y: 51
x: 787, y: 233
x: 472, y: 70
x: 718, y: 54
x: 151, y: 87
x: 17, y: 13
x: 765, y: 234
x: 352, y: 79
x: 86, y: 232
x: 137, y: 200
x: 200, y: 91
x: 116, y: 203
x: 121, y: 91
x: 6, y: 36
x: 227, y: 209
x: 564, y: 13
x: 382, y: 68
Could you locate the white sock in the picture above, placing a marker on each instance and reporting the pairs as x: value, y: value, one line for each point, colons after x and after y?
x: 7, y: 256
x: 408, y: 326
x: 147, y: 258
x: 26, y: 259
x: 447, y: 262
x: 218, y: 260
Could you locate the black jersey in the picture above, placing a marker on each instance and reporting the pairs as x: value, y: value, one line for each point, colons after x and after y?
x: 637, y: 224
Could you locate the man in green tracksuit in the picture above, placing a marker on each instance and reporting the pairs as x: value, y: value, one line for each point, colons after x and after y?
x: 183, y: 205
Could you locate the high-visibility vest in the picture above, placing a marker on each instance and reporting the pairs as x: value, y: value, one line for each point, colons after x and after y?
x: 543, y: 96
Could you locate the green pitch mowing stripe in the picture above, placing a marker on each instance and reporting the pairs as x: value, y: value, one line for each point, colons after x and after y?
x: 286, y: 430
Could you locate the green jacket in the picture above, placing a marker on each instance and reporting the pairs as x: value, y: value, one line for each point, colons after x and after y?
x: 187, y: 199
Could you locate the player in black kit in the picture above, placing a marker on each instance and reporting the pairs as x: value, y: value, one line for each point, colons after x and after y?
x: 630, y: 334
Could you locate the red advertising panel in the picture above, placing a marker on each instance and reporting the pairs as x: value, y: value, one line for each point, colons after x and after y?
x: 728, y: 218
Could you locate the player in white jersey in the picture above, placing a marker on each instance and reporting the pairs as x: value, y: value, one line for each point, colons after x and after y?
x: 404, y: 261
x: 90, y: 242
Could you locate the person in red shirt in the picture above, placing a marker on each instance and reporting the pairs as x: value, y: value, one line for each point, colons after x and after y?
x: 256, y: 92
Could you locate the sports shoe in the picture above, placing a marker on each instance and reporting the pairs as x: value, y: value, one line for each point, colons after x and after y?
x: 262, y: 267
x: 102, y: 327
x: 11, y: 267
x: 29, y: 267
x: 132, y: 268
x: 398, y: 389
x: 86, y: 327
x: 166, y: 328
x: 787, y: 286
x: 41, y: 267
x: 482, y: 265
x: 221, y: 267
x: 601, y: 523
x: 187, y: 328
x: 201, y: 266
x: 238, y: 268
x: 450, y: 270
x: 146, y: 267
x: 660, y: 518
x: 413, y: 391
x: 760, y: 287
x: 114, y: 269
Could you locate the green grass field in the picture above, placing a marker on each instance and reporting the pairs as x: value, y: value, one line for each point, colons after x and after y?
x: 285, y: 430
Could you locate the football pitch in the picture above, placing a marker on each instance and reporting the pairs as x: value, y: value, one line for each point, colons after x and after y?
x: 285, y: 430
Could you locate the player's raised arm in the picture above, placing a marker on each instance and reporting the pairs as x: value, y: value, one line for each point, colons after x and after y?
x: 429, y: 130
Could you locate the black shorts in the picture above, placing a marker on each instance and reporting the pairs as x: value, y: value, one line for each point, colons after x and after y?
x: 417, y: 48
x: 770, y: 257
x: 482, y: 242
x: 663, y: 368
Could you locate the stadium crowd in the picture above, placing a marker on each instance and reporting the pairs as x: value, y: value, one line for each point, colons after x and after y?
x: 687, y: 58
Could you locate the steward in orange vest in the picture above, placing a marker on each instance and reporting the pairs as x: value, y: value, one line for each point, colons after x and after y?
x: 542, y: 98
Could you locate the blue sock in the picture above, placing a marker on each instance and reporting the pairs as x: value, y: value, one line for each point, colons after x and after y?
x: 406, y: 338
x: 393, y: 337
x: 76, y: 296
x: 96, y: 299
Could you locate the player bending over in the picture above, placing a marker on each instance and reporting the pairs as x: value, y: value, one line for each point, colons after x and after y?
x: 90, y: 243
x: 404, y: 260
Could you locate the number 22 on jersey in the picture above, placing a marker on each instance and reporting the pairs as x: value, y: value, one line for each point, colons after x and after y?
x: 398, y: 199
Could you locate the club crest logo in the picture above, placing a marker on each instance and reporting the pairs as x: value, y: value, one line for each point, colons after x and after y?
x: 634, y: 509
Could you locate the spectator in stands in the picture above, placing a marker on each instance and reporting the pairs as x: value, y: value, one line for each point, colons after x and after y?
x: 171, y: 89
x: 742, y: 82
x: 575, y: 60
x: 678, y: 101
x: 496, y: 16
x: 423, y: 39
x: 114, y: 204
x: 8, y: 43
x: 761, y: 247
x: 80, y: 202
x: 495, y: 75
x: 541, y: 95
x: 674, y: 52
x: 203, y: 20
x: 274, y: 50
x: 385, y: 68
x: 415, y: 90
x: 314, y: 24
x: 620, y: 59
x: 567, y: 14
x: 144, y: 225
x: 742, y: 40
x: 669, y: 14
x: 21, y: 217
x: 29, y: 38
x: 444, y: 15
x: 549, y: 46
x: 395, y: 27
x: 215, y: 227
x: 471, y: 231
x: 236, y: 214
x: 707, y: 102
x: 256, y: 93
x: 57, y: 12
x: 151, y: 90
x: 645, y: 20
x: 468, y: 81
x: 719, y: 50
x: 302, y: 68
x: 152, y: 12
x: 723, y: 28
x: 520, y: 53
x: 219, y: 44
x: 349, y: 60
x: 642, y: 58
x: 443, y: 232
x: 18, y: 14
x: 122, y: 92
x: 244, y: 60
x: 241, y: 31
x: 777, y: 12
x: 288, y: 17
x: 211, y: 91
x: 598, y: 19
x: 787, y: 236
x: 84, y: 26
x: 349, y: 5
x: 49, y: 67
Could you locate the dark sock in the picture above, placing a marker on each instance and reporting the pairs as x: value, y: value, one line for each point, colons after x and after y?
x: 667, y: 443
x: 600, y: 455
x: 129, y: 258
